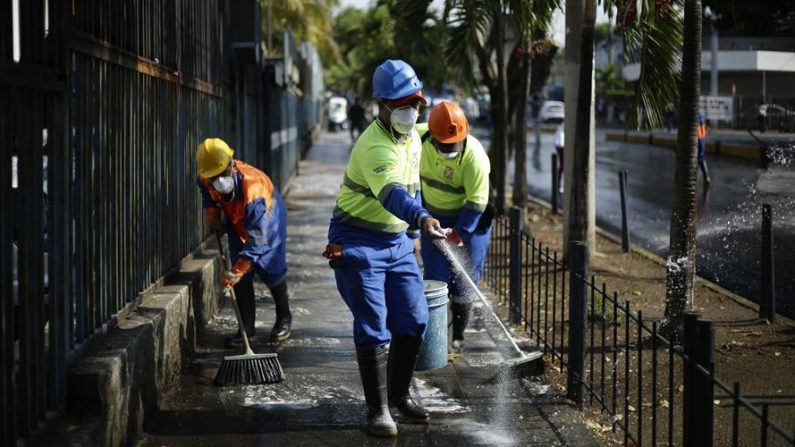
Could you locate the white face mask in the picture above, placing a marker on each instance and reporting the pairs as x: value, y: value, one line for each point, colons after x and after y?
x: 403, y: 119
x: 447, y: 155
x: 224, y: 184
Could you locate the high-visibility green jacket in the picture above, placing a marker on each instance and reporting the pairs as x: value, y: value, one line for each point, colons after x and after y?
x: 380, y: 190
x: 450, y: 186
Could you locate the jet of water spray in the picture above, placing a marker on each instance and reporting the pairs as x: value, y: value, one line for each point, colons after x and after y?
x: 444, y: 247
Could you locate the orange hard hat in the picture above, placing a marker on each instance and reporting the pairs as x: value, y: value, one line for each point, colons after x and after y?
x: 447, y: 123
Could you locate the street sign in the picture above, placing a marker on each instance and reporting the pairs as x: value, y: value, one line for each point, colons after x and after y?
x: 716, y: 108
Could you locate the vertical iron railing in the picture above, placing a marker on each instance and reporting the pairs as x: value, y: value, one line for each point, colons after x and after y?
x: 102, y: 105
x: 631, y: 372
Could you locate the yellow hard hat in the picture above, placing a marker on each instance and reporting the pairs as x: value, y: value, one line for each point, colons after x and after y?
x: 212, y: 157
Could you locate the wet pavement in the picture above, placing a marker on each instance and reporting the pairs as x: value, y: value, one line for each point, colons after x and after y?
x: 321, y: 400
x: 729, y: 212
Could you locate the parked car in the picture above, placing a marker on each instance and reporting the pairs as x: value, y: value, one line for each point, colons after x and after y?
x: 778, y: 117
x: 337, y: 113
x: 552, y: 112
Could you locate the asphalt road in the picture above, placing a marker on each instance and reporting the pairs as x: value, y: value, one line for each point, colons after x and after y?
x: 729, y: 212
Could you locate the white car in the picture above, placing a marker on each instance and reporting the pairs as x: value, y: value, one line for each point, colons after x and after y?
x: 552, y: 112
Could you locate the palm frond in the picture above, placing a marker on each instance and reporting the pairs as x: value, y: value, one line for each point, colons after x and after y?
x: 469, y: 28
x: 657, y: 38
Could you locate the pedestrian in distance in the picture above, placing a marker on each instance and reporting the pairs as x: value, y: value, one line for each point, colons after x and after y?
x: 761, y: 118
x: 560, y: 143
x: 358, y: 120
x: 242, y: 201
x: 670, y: 117
x: 454, y: 173
x: 535, y: 114
x: 702, y: 148
x: 372, y: 235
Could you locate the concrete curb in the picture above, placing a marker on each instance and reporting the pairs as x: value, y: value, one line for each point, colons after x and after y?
x: 753, y: 152
x: 739, y: 299
x: 545, y: 128
x: 125, y: 374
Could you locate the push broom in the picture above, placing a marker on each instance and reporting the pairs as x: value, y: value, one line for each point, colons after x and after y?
x: 247, y: 368
x: 520, y: 366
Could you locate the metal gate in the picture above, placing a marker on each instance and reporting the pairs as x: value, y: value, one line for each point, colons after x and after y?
x: 101, y: 106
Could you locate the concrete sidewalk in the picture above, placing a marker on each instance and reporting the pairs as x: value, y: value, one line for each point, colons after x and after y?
x: 321, y: 400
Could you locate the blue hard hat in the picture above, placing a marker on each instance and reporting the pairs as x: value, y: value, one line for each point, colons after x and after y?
x: 394, y: 80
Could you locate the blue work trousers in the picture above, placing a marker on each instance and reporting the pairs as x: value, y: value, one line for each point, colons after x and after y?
x: 383, y: 288
x: 272, y: 266
x: 472, y: 256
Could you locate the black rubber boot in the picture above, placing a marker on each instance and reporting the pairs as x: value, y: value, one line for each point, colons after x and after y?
x: 705, y: 171
x: 244, y: 292
x: 372, y: 368
x: 400, y: 369
x: 284, y: 319
x: 460, y: 313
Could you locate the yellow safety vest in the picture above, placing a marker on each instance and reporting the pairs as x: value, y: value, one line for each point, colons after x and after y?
x: 450, y: 185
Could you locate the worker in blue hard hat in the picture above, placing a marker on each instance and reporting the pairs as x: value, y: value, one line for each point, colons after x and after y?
x: 376, y: 222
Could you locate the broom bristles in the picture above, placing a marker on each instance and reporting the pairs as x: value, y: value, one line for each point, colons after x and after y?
x: 249, y: 369
x: 527, y: 365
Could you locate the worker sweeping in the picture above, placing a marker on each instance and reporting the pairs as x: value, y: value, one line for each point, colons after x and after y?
x: 243, y: 201
x: 378, y: 216
x: 454, y: 169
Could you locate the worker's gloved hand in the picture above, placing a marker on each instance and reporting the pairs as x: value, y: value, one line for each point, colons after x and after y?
x: 433, y: 229
x: 233, y: 276
x: 230, y: 278
x: 455, y: 238
x: 333, y: 252
x: 212, y: 219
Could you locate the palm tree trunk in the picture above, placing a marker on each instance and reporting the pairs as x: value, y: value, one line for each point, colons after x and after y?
x: 580, y: 183
x: 520, y: 188
x: 681, y: 266
x: 500, y: 144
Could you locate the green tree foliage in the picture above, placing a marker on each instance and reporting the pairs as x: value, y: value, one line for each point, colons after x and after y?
x: 652, y: 36
x: 391, y: 29
x: 610, y: 83
x: 475, y: 34
x: 310, y: 21
x: 601, y: 31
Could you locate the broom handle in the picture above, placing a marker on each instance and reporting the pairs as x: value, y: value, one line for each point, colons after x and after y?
x: 232, y: 294
x: 440, y: 243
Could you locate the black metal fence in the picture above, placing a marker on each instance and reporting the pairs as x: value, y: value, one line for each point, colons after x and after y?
x: 653, y: 391
x: 102, y: 104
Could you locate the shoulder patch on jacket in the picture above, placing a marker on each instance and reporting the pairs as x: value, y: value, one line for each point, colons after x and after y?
x: 383, y: 168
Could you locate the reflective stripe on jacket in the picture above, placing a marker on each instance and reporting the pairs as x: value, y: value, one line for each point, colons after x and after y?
x: 378, y: 164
